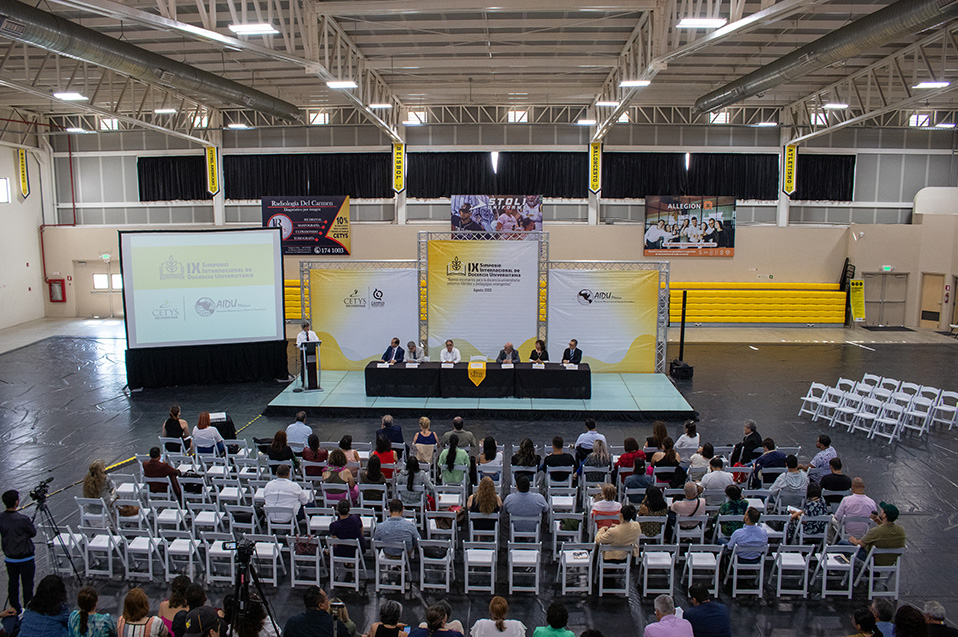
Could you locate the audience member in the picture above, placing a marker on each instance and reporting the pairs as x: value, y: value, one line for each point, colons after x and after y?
x: 688, y: 442
x: 207, y: 439
x: 414, y: 484
x: 392, y: 432
x: 665, y: 458
x: 342, y: 614
x: 256, y: 624
x: 485, y: 501
x: 659, y: 434
x: 337, y: 473
x: 346, y: 446
x: 625, y: 465
x: 46, y: 614
x: 751, y: 538
x: 815, y: 506
x: 397, y: 530
x: 490, y: 459
x: 371, y: 475
x: 857, y: 505
x: 689, y: 507
x: 935, y: 618
x: 835, y: 481
x: 884, y: 611
x: 605, y: 503
x: 818, y: 467
x: 735, y: 505
x: 96, y: 484
x: 524, y: 504
x: 204, y: 622
x: 466, y: 438
x: 592, y: 632
x: 790, y: 487
x: 386, y: 454
x: 312, y: 452
x: 195, y: 597
x: 315, y: 621
x: 425, y: 442
x: 556, y: 617
x: 886, y: 535
x: 390, y: 612
x: 451, y: 457
x: 298, y: 432
x: 667, y: 624
x: 701, y: 460
x: 715, y: 482
x: 558, y: 458
x: 176, y: 427
x: 16, y: 533
x: 436, y: 617
x: 864, y: 623
x: 283, y: 493
x: 909, y: 622
x: 497, y: 625
x: 280, y: 451
x: 526, y: 456
x: 585, y: 441
x: 770, y: 458
x: 176, y: 601
x: 625, y: 533
x: 347, y: 527
x: 156, y: 468
x: 653, y: 505
x: 708, y: 618
x: 86, y: 622
x: 599, y: 458
x: 751, y: 446
x: 451, y: 624
x: 638, y: 482
x: 136, y: 620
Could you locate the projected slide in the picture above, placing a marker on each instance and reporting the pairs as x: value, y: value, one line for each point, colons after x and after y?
x: 204, y: 287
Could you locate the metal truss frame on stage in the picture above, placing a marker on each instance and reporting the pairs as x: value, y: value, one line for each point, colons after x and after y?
x: 662, y: 310
x: 423, y: 260
x: 306, y: 266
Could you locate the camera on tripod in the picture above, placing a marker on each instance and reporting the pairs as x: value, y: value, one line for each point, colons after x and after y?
x: 41, y: 491
x: 244, y: 550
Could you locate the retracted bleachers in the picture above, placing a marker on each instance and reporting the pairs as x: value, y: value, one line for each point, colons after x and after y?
x: 294, y: 302
x: 757, y: 302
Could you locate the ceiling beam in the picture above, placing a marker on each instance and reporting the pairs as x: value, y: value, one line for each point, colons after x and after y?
x: 403, y: 7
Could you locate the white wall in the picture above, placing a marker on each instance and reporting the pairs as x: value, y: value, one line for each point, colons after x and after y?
x: 21, y: 278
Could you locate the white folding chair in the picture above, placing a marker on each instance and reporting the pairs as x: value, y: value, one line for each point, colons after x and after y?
x: 128, y: 487
x: 393, y: 572
x: 345, y: 565
x: 658, y: 561
x: 575, y: 567
x: 844, y: 414
x: 739, y: 568
x: 572, y: 534
x: 523, y: 563
x: 480, y: 563
x: 441, y: 525
x: 220, y: 561
x: 874, y: 571
x: 63, y: 548
x: 918, y: 415
x: 206, y: 516
x: 436, y: 565
x: 812, y: 399
x: 864, y: 419
x: 829, y: 402
x: 946, y: 409
x: 268, y: 552
x: 93, y: 512
x: 183, y: 547
x: 703, y: 557
x: 888, y: 423
x: 140, y: 548
x: 168, y: 515
x: 912, y: 389
x: 834, y: 561
x: 99, y: 545
x: 281, y: 520
x: 846, y: 385
x: 872, y: 380
x: 618, y: 570
x: 553, y: 481
x: 140, y: 518
x: 242, y: 519
x: 794, y: 561
x: 482, y: 520
x: 694, y: 534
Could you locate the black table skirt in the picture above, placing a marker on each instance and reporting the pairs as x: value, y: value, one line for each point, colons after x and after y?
x: 429, y: 380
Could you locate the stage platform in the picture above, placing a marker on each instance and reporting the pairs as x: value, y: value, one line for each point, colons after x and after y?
x: 614, y: 397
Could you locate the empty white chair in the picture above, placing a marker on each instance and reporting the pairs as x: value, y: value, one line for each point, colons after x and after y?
x: 99, y: 545
x: 912, y: 389
x: 128, y: 487
x: 704, y: 558
x: 844, y: 414
x: 575, y: 567
x: 864, y: 419
x: 436, y: 564
x: 889, y: 572
x: 182, y: 548
x: 220, y: 560
x: 917, y: 415
x: 658, y: 561
x: 140, y: 550
x: 206, y: 517
x: 813, y: 397
x: 739, y: 568
x: 393, y: 571
x: 168, y: 515
x: 345, y: 564
x: 826, y: 406
x: 792, y: 561
x: 64, y: 547
x: 871, y: 380
x: 888, y: 423
x: 242, y: 519
x: 524, y: 564
x: 612, y: 568
x: 130, y: 513
x: 480, y: 564
x: 846, y: 385
x: 946, y: 409
x: 441, y: 525
x: 837, y: 560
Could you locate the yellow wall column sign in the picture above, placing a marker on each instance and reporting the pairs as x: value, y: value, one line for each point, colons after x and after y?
x: 212, y: 170
x: 595, y: 167
x: 477, y: 372
x: 399, y: 167
x: 24, y: 173
x: 857, y: 294
x: 791, y: 169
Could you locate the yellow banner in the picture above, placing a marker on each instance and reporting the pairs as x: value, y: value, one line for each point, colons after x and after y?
x: 857, y: 294
x: 791, y: 160
x: 399, y: 167
x: 24, y: 173
x: 595, y: 167
x: 477, y: 372
x: 212, y: 170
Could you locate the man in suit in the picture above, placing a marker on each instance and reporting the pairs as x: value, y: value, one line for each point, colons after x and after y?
x: 508, y: 354
x: 394, y: 353
x: 572, y: 354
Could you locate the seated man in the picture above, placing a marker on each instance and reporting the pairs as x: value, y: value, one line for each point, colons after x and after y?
x: 667, y: 623
x: 935, y: 618
x: 397, y: 530
x: 414, y: 354
x: 638, y: 482
x: 558, y: 458
x: 394, y: 353
x: 507, y: 354
x: 887, y: 535
x: 524, y: 504
x: 283, y: 492
x: 750, y: 447
x: 156, y: 468
x: 625, y: 533
x: 770, y: 458
x: 450, y: 354
x: 835, y: 480
x: 708, y: 618
x: 572, y: 354
x: 347, y: 527
x: 297, y: 433
x: 715, y: 481
x: 789, y: 488
x: 857, y: 505
x: 818, y: 467
x: 751, y: 538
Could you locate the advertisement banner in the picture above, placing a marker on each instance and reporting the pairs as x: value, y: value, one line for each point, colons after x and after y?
x: 857, y: 298
x: 689, y: 226
x: 612, y: 314
x: 789, y: 174
x: 595, y: 166
x: 356, y: 313
x: 399, y: 167
x: 311, y: 225
x: 24, y: 172
x: 520, y: 216
x: 482, y: 294
x: 212, y: 170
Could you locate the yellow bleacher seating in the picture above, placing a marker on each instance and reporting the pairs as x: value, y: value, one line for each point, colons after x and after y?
x: 757, y: 302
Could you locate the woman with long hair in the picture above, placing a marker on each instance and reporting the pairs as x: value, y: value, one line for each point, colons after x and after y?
x: 486, y: 501
x: 452, y: 456
x: 490, y: 456
x: 864, y: 622
x: 314, y: 453
x: 424, y: 442
x: 136, y: 620
x: 653, y: 505
x: 688, y: 442
x: 86, y: 622
x: 346, y: 444
x: 207, y: 438
x: 386, y: 454
x: 600, y: 458
x: 414, y: 482
x: 497, y: 625
x: 47, y: 613
x: 526, y: 456
x: 337, y: 473
x: 176, y: 602
x: 659, y: 434
x: 625, y: 465
x: 665, y: 458
x: 390, y: 612
x: 539, y: 353
x: 280, y: 451
x: 96, y: 484
x: 256, y: 622
x: 176, y: 427
x: 436, y: 619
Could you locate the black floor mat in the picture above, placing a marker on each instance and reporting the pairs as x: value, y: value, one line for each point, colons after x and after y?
x: 887, y: 328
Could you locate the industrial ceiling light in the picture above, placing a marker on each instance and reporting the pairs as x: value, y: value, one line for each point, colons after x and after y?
x: 932, y: 85
x: 164, y: 111
x: 764, y: 124
x: 382, y: 105
x: 237, y: 126
x: 945, y: 125
x: 835, y: 106
x: 701, y: 23
x: 634, y: 83
x: 586, y: 122
x: 70, y: 96
x: 262, y: 28
x: 78, y: 130
x: 607, y: 103
x: 341, y: 84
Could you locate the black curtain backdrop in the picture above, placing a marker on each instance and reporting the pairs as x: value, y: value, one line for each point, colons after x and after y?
x: 359, y: 175
x: 206, y: 364
x: 635, y: 175
x: 739, y: 175
x: 434, y: 175
x: 172, y: 178
x: 825, y: 178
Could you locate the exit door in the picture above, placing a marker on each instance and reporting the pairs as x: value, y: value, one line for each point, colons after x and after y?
x: 99, y: 289
x: 932, y: 291
x: 885, y: 298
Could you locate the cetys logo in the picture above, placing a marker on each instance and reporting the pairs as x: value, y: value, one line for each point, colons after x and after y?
x: 355, y: 300
x: 204, y: 306
x: 584, y: 297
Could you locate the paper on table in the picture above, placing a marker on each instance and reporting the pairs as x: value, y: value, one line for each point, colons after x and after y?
x: 571, y: 366
x: 381, y: 365
x: 448, y: 365
x: 507, y: 366
x: 412, y: 365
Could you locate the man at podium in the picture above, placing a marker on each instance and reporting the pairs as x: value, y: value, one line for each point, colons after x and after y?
x: 306, y: 335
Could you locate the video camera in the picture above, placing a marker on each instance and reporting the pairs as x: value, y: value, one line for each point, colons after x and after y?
x: 244, y: 550
x: 41, y: 491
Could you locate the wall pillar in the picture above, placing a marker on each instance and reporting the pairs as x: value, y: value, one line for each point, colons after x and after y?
x: 400, y: 203
x: 781, y: 208
x: 593, y: 209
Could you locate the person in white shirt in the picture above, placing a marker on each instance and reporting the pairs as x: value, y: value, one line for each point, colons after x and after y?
x: 655, y: 233
x: 532, y: 209
x: 498, y: 625
x: 414, y: 354
x: 714, y: 482
x: 297, y: 434
x: 694, y: 231
x: 283, y: 492
x: 688, y: 443
x: 450, y: 354
x: 508, y: 221
x: 306, y: 335
x: 585, y: 441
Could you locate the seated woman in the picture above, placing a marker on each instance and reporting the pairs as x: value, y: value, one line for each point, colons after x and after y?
x: 814, y: 507
x: 280, y: 451
x: 390, y: 612
x: 700, y: 460
x: 424, y: 442
x: 486, y: 501
x: 526, y: 457
x: 659, y: 434
x: 606, y: 503
x: 451, y: 457
x: 176, y: 602
x: 665, y: 458
x: 346, y: 444
x: 337, y: 473
x: 653, y: 505
x: 47, y: 613
x: 436, y: 619
x: 688, y: 442
x: 626, y: 462
x: 489, y: 456
x: 96, y: 484
x: 314, y: 453
x: 599, y: 458
x: 86, y: 622
x: 176, y: 427
x: 539, y: 354
x: 384, y: 451
x: 207, y: 439
x: 691, y: 506
x: 136, y: 620
x: 347, y: 526
x: 413, y: 482
x: 497, y: 625
x: 373, y: 474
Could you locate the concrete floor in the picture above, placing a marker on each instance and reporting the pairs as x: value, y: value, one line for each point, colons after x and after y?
x: 62, y: 404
